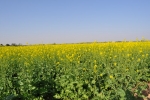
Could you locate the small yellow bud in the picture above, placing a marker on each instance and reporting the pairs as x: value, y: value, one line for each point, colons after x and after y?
x: 111, y: 76
x: 115, y: 64
x: 84, y: 69
x: 139, y: 60
x: 101, y: 75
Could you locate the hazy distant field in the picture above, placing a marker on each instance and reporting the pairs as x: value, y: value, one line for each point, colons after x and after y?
x: 94, y: 71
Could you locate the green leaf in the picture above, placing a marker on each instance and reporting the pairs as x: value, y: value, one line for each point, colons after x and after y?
x: 10, y: 97
x: 93, y: 81
x: 121, y: 92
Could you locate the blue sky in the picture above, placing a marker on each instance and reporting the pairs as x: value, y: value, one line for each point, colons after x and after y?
x: 73, y: 21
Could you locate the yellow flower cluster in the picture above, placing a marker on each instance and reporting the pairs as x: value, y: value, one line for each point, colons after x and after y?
x: 93, y: 56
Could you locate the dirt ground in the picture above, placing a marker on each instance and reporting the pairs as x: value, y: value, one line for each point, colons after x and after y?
x: 145, y: 92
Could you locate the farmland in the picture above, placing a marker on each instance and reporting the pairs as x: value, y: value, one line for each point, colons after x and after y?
x: 94, y: 71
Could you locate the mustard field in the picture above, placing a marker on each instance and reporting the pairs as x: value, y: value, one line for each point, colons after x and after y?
x: 94, y: 71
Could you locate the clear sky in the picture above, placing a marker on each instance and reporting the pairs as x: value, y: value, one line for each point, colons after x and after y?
x: 73, y: 21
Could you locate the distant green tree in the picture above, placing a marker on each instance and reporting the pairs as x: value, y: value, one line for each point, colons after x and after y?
x: 19, y: 44
x: 54, y: 43
x: 13, y: 44
x: 7, y: 44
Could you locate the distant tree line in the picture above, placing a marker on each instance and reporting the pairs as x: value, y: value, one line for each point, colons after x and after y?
x: 13, y: 44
